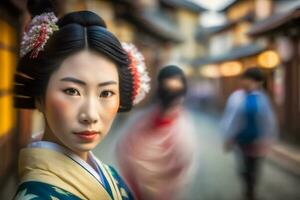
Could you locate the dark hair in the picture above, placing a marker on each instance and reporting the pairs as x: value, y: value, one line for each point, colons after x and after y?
x: 77, y: 31
x: 254, y: 73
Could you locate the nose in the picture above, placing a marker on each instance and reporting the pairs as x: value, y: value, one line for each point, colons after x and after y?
x: 89, y: 112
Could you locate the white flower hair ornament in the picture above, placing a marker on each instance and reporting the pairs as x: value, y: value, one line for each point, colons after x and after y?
x: 37, y: 33
x: 141, y: 80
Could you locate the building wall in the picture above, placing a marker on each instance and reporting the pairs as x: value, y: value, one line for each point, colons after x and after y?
x: 187, y: 23
x: 73, y: 5
x: 240, y: 9
x: 263, y: 8
x: 240, y: 34
x: 292, y: 95
x: 221, y: 43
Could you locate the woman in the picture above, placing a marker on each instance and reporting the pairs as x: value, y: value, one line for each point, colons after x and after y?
x: 157, y: 154
x: 79, y: 76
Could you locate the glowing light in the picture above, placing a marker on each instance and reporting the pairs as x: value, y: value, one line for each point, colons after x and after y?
x: 232, y: 68
x: 212, y: 18
x: 268, y: 59
x: 210, y: 71
x: 188, y: 71
x: 213, y: 4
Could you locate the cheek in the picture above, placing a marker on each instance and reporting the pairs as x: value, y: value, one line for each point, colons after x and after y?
x: 111, y: 108
x: 57, y: 109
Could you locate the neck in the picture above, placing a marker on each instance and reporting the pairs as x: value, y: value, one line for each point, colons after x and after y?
x: 50, y: 137
x: 252, y: 89
x: 170, y: 110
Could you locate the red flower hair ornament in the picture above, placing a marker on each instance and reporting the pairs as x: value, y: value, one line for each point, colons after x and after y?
x: 141, y: 80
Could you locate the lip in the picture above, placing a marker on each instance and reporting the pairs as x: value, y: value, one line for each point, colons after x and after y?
x: 88, y: 136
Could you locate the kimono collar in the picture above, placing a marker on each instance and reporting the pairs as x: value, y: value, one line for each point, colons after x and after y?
x: 55, y: 147
x: 57, y: 169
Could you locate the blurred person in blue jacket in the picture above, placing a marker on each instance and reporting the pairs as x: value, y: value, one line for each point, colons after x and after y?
x: 249, y: 124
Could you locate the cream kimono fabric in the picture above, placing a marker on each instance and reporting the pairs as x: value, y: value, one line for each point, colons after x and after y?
x: 49, y: 174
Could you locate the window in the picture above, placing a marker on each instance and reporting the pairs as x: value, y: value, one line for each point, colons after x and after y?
x: 7, y: 69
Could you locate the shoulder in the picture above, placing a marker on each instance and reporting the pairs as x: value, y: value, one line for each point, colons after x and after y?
x: 236, y: 98
x: 37, y: 190
x: 263, y: 97
x: 237, y: 94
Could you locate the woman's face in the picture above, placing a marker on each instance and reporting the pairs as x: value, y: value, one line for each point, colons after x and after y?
x: 81, y: 101
x: 173, y: 84
x: 171, y: 92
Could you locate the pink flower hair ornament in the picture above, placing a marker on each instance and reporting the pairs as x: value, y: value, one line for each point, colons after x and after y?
x: 38, y: 32
x: 141, y: 80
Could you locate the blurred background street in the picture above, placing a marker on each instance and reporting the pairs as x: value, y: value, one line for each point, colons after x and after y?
x: 213, y: 42
x: 216, y: 177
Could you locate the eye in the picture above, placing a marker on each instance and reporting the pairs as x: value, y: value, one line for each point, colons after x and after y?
x: 71, y: 92
x: 106, y: 94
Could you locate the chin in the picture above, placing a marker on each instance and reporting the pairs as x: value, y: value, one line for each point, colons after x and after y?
x: 85, y: 147
x: 81, y: 148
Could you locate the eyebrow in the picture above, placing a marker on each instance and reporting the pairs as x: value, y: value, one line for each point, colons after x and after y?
x: 80, y: 82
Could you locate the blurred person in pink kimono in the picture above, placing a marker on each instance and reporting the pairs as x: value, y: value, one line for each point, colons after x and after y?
x: 156, y: 154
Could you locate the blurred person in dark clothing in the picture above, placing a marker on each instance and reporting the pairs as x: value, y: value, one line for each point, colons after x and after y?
x: 250, y: 126
x: 156, y: 153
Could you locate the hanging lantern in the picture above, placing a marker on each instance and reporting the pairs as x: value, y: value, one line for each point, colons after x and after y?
x: 210, y: 71
x: 268, y: 59
x: 231, y: 68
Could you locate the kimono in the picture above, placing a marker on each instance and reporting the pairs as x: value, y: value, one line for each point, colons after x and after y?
x: 156, y: 154
x: 49, y: 171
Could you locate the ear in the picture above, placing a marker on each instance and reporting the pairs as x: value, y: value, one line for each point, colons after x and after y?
x: 39, y: 104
